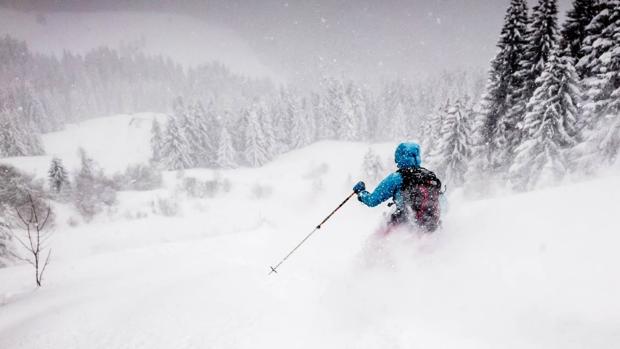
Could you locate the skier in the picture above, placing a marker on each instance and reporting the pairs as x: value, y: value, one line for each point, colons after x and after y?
x: 414, y: 190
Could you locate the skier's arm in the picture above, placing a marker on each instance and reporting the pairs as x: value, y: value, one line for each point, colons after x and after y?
x: 384, y: 191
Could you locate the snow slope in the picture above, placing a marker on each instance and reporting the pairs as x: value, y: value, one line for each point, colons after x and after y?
x: 115, y: 142
x: 533, y: 270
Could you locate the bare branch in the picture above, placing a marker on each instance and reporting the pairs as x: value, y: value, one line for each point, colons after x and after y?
x: 30, y: 239
x: 21, y: 218
x: 36, y: 238
x: 33, y: 207
x: 47, y: 260
x: 47, y: 216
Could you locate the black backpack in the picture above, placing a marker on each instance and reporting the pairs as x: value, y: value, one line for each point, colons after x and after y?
x: 421, y: 191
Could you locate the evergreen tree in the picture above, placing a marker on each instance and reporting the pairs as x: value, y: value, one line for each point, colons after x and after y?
x: 541, y: 41
x: 334, y: 101
x: 601, y: 64
x: 602, y: 86
x: 255, y: 149
x: 57, y: 175
x: 17, y: 137
x: 283, y: 113
x: 550, y: 126
x: 477, y: 173
x: 202, y: 143
x: 359, y: 104
x: 208, y: 125
x: 454, y: 150
x: 188, y: 120
x: 503, y: 79
x: 400, y: 124
x: 302, y: 131
x: 601, y: 145
x: 156, y: 142
x: 226, y: 151
x: 596, y: 42
x: 176, y: 150
x: 372, y: 168
x: 309, y: 124
x: 434, y: 134
x: 349, y: 122
x: 574, y: 28
x: 266, y: 123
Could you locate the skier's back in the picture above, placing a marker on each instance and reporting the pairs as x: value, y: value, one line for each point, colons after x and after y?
x: 414, y: 190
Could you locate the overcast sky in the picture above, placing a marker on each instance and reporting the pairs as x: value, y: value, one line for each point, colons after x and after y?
x: 358, y: 38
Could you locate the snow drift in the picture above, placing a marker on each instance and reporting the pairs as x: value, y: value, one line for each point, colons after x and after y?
x: 525, y: 271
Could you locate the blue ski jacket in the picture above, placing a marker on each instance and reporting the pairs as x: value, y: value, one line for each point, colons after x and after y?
x: 407, y: 155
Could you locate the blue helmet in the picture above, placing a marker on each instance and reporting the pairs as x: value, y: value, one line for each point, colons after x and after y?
x: 408, y: 155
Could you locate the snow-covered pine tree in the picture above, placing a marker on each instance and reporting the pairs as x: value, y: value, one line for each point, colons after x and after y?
x: 349, y: 122
x: 187, y: 118
x: 433, y: 143
x: 302, y: 129
x: 57, y: 175
x: 503, y: 80
x: 541, y: 41
x: 17, y: 138
x: 550, y: 126
x: 282, y: 110
x: 318, y: 114
x: 211, y: 121
x: 602, y: 106
x: 333, y: 109
x: 157, y: 142
x: 204, y: 147
x: 358, y: 101
x: 175, y: 152
x: 309, y: 134
x: 454, y: 151
x: 574, y: 27
x: 266, y: 123
x: 601, y: 66
x: 601, y: 146
x: 255, y: 152
x: 372, y: 168
x: 595, y: 43
x: 399, y: 123
x: 478, y: 182
x: 226, y: 153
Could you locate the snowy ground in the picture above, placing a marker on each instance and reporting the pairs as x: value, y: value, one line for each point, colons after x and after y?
x: 535, y: 270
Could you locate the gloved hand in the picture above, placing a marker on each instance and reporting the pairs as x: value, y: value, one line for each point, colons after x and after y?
x: 359, y: 187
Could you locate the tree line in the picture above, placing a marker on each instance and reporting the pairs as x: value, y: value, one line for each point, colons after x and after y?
x: 551, y: 104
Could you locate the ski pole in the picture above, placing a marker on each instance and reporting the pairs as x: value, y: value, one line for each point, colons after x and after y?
x: 274, y: 269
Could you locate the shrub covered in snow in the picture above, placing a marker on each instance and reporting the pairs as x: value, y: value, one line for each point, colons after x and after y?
x: 165, y: 206
x: 204, y: 189
x: 15, y: 186
x: 139, y: 177
x: 93, y: 190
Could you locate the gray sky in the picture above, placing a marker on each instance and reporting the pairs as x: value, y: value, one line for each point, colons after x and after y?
x: 361, y: 38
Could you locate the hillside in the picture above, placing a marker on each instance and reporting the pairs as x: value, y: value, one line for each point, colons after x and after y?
x: 523, y: 271
x: 115, y: 142
x: 185, y: 39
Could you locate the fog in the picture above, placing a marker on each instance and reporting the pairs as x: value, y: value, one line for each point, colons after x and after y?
x: 296, y: 41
